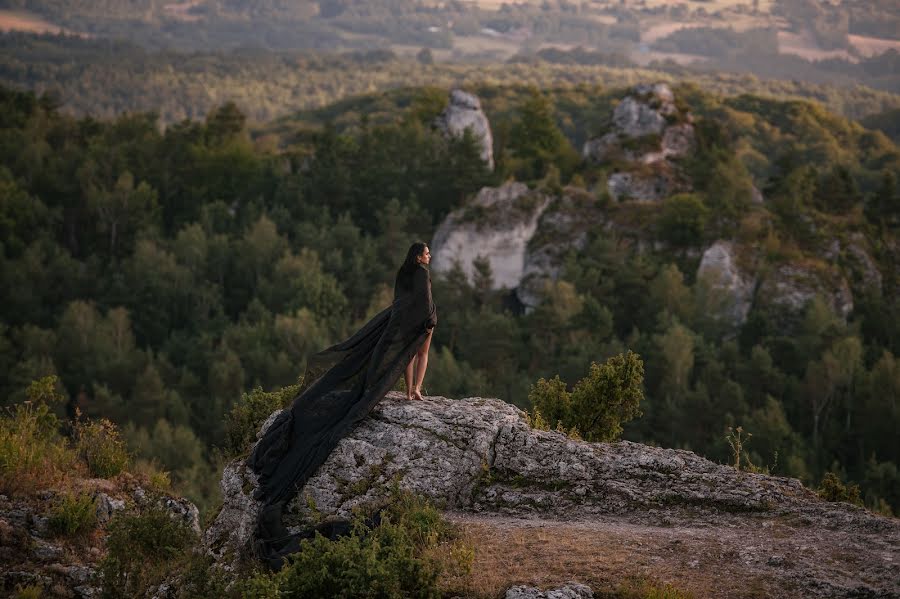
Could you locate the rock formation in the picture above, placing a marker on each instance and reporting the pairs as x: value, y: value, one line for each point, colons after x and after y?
x: 480, y: 460
x: 497, y: 225
x: 647, y: 129
x: 31, y: 555
x: 789, y: 288
x: 464, y: 112
x: 562, y: 227
x: 720, y: 270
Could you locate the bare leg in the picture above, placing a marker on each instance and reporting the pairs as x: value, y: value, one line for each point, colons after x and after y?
x: 410, y: 377
x: 422, y: 365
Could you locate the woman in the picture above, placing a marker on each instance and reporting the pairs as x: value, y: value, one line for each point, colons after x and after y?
x: 345, y: 382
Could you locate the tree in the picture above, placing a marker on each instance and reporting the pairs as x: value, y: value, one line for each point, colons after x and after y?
x: 608, y: 397
x: 682, y: 221
x: 537, y: 142
x: 122, y: 210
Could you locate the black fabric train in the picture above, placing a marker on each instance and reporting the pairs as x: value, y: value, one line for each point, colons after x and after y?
x: 346, y: 381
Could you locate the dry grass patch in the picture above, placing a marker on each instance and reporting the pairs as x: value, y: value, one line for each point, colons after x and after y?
x: 616, y: 561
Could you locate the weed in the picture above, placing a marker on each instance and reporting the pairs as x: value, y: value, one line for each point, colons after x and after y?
x: 98, y: 443
x: 73, y: 515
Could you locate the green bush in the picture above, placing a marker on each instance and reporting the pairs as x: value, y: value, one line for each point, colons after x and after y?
x: 250, y: 412
x: 608, y: 397
x: 550, y: 401
x: 398, y: 558
x: 600, y: 403
x: 98, y: 443
x: 143, y: 548
x: 833, y: 489
x: 682, y: 220
x: 73, y: 514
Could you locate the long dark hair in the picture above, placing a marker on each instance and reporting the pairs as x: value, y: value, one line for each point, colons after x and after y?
x: 408, y: 268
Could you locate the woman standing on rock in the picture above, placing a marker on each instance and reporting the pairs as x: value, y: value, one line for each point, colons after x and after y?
x: 344, y: 382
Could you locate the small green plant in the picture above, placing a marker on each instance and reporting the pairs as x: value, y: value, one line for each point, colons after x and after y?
x: 73, y: 515
x: 250, y: 412
x: 31, y: 591
x: 737, y: 440
x: 833, y: 489
x: 99, y: 444
x: 143, y: 548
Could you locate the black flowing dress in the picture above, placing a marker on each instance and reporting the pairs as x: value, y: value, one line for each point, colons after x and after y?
x: 345, y: 382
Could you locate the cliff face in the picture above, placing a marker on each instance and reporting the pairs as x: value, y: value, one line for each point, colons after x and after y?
x: 498, y: 477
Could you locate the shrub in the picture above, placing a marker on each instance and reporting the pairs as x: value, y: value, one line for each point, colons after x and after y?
x: 598, y: 406
x: 608, y: 397
x: 682, y: 220
x: 143, y: 548
x: 401, y: 557
x: 32, y: 452
x: 98, y: 443
x: 833, y: 489
x: 250, y: 412
x: 73, y: 515
x: 31, y: 591
x: 550, y: 400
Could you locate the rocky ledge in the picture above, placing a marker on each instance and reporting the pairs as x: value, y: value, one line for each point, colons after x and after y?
x: 495, y: 475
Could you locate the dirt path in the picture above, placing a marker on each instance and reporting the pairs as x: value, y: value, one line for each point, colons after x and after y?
x: 725, y: 556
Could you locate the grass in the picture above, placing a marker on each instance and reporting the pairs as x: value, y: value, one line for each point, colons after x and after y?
x: 33, y: 455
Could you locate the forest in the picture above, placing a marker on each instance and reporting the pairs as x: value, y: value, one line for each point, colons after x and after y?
x: 165, y: 272
x: 104, y: 78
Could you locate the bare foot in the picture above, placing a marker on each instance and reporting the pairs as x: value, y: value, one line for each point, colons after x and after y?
x: 409, y: 396
x: 418, y: 395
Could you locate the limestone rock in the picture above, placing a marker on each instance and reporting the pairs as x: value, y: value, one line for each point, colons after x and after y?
x: 790, y: 287
x: 646, y: 129
x: 107, y: 506
x: 464, y: 112
x: 719, y: 268
x: 640, y: 187
x: 497, y: 224
x: 562, y: 227
x: 573, y: 590
x: 479, y: 459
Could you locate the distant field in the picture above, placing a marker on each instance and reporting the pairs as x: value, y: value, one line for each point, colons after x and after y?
x: 803, y: 45
x: 870, y: 46
x: 17, y: 20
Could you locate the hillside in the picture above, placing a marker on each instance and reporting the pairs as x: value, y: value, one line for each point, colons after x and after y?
x: 167, y: 274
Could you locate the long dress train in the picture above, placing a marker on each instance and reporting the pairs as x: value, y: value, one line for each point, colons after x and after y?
x: 348, y: 380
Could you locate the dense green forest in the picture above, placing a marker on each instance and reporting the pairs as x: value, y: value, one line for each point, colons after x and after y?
x: 163, y: 272
x: 104, y: 78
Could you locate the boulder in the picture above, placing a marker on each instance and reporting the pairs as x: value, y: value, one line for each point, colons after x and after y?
x: 720, y: 270
x: 479, y: 460
x: 464, y: 112
x: 497, y: 225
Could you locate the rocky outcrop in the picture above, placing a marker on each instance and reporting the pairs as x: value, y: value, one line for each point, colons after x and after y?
x: 647, y: 129
x: 496, y: 225
x: 30, y: 554
x: 562, y: 227
x: 572, y: 590
x: 854, y: 256
x: 464, y: 112
x: 720, y: 271
x: 789, y: 288
x: 479, y: 457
